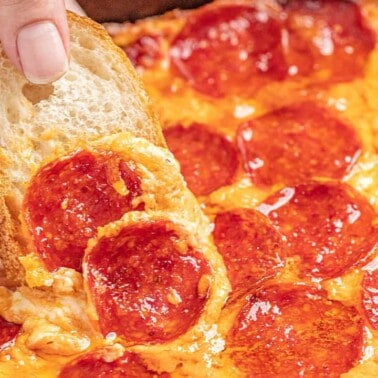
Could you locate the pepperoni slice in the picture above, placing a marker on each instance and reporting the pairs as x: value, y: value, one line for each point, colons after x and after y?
x: 147, y: 285
x: 145, y: 51
x: 230, y: 48
x: 329, y: 226
x: 295, y: 331
x: 370, y: 297
x: 208, y: 160
x: 69, y: 198
x: 130, y: 365
x: 8, y: 332
x: 327, y: 38
x: 292, y: 144
x: 250, y: 246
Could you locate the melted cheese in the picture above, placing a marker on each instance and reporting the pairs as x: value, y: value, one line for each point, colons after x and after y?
x: 55, y: 327
x: 354, y: 102
x: 59, y: 322
x: 53, y: 309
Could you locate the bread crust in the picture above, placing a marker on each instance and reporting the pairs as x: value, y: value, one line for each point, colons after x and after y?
x: 11, y: 270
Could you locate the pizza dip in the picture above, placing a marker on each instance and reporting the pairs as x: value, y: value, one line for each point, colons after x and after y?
x: 270, y: 267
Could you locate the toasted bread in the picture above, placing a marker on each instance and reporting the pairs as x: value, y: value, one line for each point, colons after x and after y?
x: 100, y: 94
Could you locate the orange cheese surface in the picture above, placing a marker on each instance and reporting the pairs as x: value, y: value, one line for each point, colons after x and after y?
x: 270, y: 109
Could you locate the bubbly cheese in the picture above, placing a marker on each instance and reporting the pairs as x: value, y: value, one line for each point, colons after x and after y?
x: 354, y: 102
x: 53, y: 308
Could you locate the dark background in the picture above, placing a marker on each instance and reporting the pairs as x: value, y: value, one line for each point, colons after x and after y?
x: 122, y: 10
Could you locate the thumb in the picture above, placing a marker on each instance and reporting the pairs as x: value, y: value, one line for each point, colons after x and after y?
x: 34, y: 35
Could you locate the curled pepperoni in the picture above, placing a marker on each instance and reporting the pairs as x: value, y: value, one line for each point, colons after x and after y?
x: 229, y: 48
x: 250, y: 246
x: 8, y: 332
x: 208, y: 160
x: 328, y: 226
x: 370, y: 297
x: 295, y: 331
x: 147, y: 285
x: 69, y: 198
x: 130, y: 365
x: 327, y: 39
x: 292, y: 144
x: 145, y: 51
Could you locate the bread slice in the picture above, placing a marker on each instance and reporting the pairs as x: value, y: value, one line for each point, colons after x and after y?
x: 100, y: 94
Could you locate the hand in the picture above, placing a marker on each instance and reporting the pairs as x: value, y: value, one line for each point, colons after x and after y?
x: 35, y: 36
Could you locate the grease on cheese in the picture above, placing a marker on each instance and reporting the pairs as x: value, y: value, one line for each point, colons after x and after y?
x: 53, y: 308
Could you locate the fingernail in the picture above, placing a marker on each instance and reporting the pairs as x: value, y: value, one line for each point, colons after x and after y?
x: 42, y: 54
